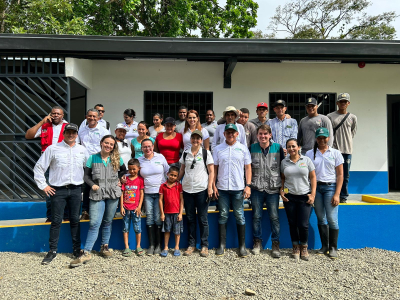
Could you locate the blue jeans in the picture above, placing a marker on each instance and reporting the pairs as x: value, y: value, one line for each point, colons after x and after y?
x: 62, y: 199
x: 130, y: 215
x: 152, y: 209
x: 101, y: 213
x: 272, y: 201
x: 192, y: 202
x: 224, y: 200
x: 326, y: 213
x: 344, y: 193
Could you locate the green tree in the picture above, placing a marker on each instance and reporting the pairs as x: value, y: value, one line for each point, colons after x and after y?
x: 335, y: 19
x: 163, y: 18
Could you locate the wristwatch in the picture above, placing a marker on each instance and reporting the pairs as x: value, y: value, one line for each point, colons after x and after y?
x: 248, y: 185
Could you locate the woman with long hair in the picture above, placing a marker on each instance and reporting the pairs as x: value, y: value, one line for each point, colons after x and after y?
x: 297, y: 171
x: 130, y: 123
x: 329, y: 171
x: 169, y: 143
x: 103, y: 172
x: 143, y: 131
x: 192, y: 123
x: 158, y: 127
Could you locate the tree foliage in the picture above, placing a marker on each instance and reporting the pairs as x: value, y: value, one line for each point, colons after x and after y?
x: 336, y: 19
x: 163, y: 18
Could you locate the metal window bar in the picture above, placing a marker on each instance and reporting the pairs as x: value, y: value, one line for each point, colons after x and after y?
x: 296, y: 103
x: 168, y: 102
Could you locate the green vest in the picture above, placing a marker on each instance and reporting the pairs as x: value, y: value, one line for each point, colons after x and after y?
x: 266, y: 169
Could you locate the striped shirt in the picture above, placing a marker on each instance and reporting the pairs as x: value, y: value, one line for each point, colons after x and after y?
x: 283, y: 130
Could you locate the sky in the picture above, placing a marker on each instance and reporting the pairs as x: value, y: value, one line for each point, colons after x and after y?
x: 267, y: 9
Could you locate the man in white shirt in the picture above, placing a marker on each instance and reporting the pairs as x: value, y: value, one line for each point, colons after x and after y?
x: 230, y: 115
x: 50, y: 130
x: 66, y: 161
x: 101, y: 121
x: 231, y: 160
x: 90, y: 136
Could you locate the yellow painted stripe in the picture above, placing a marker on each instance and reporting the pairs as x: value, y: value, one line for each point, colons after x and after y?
x: 373, y: 199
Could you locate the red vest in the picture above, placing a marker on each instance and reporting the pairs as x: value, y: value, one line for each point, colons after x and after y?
x: 46, y: 136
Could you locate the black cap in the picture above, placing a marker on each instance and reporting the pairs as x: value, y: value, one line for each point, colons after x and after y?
x: 170, y: 120
x: 312, y: 101
x: 71, y: 126
x: 279, y: 102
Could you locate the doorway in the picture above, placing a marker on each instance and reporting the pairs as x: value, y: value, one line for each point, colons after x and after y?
x: 393, y: 123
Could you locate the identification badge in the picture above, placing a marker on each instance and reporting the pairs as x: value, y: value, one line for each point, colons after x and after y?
x: 286, y: 190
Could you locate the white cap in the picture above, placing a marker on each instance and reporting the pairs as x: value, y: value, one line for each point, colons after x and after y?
x: 121, y: 126
x: 230, y: 108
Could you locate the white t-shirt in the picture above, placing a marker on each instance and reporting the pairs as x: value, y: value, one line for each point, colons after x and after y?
x: 132, y: 133
x: 325, y: 164
x: 196, y: 179
x: 187, y: 145
x: 125, y: 152
x: 231, y: 161
x: 56, y: 132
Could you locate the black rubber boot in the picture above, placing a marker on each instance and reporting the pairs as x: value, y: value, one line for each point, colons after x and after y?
x: 157, y: 242
x: 150, y: 234
x: 333, y: 237
x: 324, y: 235
x: 241, y: 229
x: 222, y: 239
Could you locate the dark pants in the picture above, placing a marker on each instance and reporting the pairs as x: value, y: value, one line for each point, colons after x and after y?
x: 65, y: 197
x: 48, y: 201
x: 86, y: 200
x: 344, y: 193
x: 298, y: 213
x: 192, y: 202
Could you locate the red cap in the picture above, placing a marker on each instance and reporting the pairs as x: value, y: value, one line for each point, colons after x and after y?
x: 262, y: 104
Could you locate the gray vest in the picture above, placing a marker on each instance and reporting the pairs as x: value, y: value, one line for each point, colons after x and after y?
x: 107, y: 179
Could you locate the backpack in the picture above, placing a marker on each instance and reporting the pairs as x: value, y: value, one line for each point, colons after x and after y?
x: 204, y: 158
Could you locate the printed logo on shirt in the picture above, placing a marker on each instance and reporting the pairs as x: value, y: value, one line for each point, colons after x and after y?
x: 157, y: 163
x: 44, y: 130
x: 302, y: 165
x: 288, y: 126
x: 319, y: 123
x: 237, y: 149
x: 198, y: 158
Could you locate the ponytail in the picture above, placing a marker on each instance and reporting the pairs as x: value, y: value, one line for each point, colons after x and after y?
x: 315, y: 149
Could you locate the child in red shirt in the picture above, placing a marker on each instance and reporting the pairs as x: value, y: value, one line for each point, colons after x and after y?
x: 131, y: 204
x: 171, y: 208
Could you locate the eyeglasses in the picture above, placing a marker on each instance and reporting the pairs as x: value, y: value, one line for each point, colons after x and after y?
x: 193, y: 163
x: 101, y: 111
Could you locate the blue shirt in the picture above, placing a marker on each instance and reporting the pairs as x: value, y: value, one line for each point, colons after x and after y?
x: 138, y: 147
x: 283, y: 130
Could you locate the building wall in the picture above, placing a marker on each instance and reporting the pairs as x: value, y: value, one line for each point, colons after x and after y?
x: 120, y: 85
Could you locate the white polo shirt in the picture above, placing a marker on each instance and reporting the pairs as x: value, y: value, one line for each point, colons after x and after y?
x: 91, y: 137
x: 219, y: 137
x: 153, y: 172
x: 231, y: 161
x: 196, y: 179
x: 187, y: 145
x: 325, y: 164
x: 132, y: 131
x: 66, y: 165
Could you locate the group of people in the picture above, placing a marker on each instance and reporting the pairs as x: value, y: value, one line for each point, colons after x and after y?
x: 180, y: 165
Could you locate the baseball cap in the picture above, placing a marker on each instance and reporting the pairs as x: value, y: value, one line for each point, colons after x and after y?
x: 312, y: 101
x: 198, y: 132
x: 343, y: 96
x: 262, y: 104
x: 322, y: 131
x: 230, y: 126
x: 230, y: 108
x: 121, y: 126
x: 71, y: 126
x: 169, y: 120
x: 279, y: 102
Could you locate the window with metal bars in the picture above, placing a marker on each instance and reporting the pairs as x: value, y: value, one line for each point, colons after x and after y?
x: 296, y: 103
x: 167, y: 103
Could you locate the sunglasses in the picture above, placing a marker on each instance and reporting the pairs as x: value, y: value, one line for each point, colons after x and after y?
x: 193, y: 163
x: 102, y: 111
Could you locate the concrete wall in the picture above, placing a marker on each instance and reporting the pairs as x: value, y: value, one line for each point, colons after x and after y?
x: 120, y: 85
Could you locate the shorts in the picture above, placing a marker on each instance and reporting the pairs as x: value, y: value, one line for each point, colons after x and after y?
x: 171, y: 223
x: 131, y: 215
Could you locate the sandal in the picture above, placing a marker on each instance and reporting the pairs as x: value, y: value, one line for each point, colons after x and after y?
x: 127, y: 252
x: 139, y: 251
x: 164, y: 253
x: 177, y: 253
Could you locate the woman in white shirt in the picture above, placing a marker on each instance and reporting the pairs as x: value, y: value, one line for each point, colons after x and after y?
x: 197, y: 189
x: 131, y: 125
x: 158, y: 127
x: 191, y: 124
x: 329, y: 171
x: 124, y: 147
